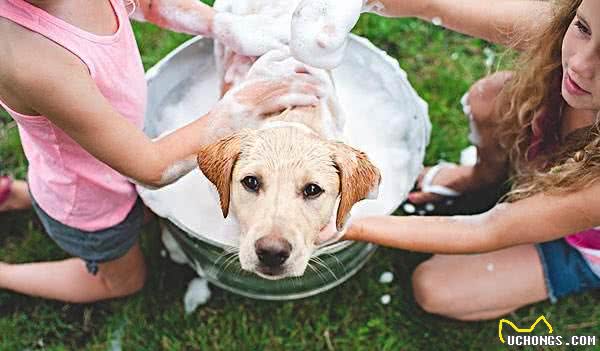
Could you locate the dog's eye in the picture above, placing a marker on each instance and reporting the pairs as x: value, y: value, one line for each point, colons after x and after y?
x: 251, y: 183
x: 312, y: 191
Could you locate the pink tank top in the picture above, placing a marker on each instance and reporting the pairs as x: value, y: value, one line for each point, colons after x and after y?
x: 69, y: 184
x: 588, y: 243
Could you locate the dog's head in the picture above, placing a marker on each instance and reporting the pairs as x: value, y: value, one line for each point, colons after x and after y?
x: 282, y: 184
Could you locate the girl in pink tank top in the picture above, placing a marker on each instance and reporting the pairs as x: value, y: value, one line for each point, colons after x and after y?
x: 73, y: 80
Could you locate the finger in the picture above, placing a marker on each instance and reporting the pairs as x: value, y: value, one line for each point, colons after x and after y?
x: 268, y: 90
x: 419, y: 197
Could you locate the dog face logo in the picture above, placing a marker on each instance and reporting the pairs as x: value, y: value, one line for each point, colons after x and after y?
x: 522, y: 330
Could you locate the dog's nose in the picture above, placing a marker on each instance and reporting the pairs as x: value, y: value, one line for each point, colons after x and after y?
x: 272, y: 251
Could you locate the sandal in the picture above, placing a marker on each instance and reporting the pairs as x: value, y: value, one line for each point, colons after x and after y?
x: 429, y: 187
x: 454, y: 203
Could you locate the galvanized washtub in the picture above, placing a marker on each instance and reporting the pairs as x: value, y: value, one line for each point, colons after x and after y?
x: 384, y: 118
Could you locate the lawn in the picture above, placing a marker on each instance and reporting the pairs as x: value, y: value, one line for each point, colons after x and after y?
x: 441, y: 66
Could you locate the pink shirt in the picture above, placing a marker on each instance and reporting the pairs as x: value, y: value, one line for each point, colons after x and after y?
x: 588, y: 243
x: 68, y: 183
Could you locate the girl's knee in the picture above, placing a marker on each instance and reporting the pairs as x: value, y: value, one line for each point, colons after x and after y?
x: 483, y: 95
x: 428, y: 290
x: 124, y: 276
x: 124, y: 286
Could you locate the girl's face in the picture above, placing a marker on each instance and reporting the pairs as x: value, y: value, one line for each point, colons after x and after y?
x: 581, y: 58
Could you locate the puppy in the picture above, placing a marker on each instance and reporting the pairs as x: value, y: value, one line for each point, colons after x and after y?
x: 283, y: 178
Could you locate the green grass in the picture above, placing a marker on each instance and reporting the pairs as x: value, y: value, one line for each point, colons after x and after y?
x: 441, y: 66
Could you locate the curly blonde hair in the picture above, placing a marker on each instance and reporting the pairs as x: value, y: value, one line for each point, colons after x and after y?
x: 531, y: 107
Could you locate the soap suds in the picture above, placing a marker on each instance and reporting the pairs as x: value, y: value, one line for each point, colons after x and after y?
x: 183, y: 19
x: 474, y: 136
x: 175, y: 251
x: 197, y: 294
x: 251, y: 35
x: 320, y: 29
x: 409, y: 208
x: 468, y: 156
x: 436, y: 21
x: 385, y: 299
x: 386, y: 277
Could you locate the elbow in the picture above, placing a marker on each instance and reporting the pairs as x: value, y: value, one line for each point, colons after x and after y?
x: 149, y: 182
x: 150, y: 177
x: 170, y: 174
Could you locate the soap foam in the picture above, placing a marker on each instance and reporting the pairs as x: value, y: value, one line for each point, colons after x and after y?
x: 316, y: 30
x: 183, y: 19
x: 320, y: 29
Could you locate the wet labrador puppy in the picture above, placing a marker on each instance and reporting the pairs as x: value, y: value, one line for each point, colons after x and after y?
x: 287, y: 177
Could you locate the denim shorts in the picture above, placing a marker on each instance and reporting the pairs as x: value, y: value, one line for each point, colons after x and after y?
x: 566, y: 272
x: 97, y: 246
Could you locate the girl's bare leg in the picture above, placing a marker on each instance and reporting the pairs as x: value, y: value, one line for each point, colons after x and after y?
x: 491, y: 163
x: 18, y: 199
x: 69, y: 280
x: 483, y: 286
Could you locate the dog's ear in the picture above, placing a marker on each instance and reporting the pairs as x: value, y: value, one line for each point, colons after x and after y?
x: 216, y: 161
x: 359, y: 179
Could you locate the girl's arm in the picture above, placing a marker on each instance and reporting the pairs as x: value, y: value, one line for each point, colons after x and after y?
x: 319, y: 28
x: 536, y: 219
x: 506, y: 22
x: 184, y: 16
x: 250, y: 35
x: 57, y: 85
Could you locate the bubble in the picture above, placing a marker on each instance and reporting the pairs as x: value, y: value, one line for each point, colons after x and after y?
x: 436, y: 21
x: 409, y: 208
x: 385, y: 299
x: 386, y: 277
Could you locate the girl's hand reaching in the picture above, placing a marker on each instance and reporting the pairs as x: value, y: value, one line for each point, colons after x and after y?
x: 330, y: 234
